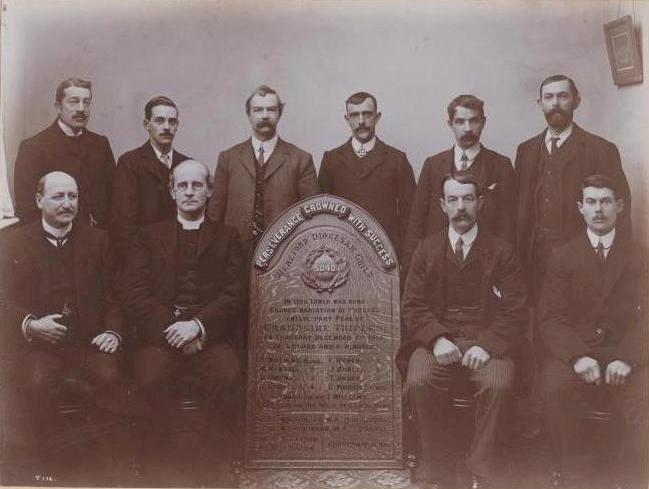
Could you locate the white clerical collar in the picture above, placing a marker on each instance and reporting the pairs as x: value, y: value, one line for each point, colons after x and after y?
x: 57, y: 232
x: 67, y: 130
x: 269, y: 146
x: 607, y: 239
x: 471, y: 153
x: 159, y: 154
x: 190, y: 225
x: 563, y: 135
x: 468, y: 238
x: 369, y: 146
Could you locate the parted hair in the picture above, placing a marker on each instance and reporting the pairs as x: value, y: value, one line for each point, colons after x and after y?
x: 462, y: 176
x: 599, y: 180
x: 359, y: 98
x: 555, y: 78
x: 71, y: 82
x: 159, y: 100
x: 264, y: 90
x: 467, y: 101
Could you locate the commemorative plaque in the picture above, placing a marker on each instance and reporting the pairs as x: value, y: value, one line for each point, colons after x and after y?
x: 323, y: 389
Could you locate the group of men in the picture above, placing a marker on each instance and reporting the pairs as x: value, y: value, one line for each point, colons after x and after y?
x: 171, y: 283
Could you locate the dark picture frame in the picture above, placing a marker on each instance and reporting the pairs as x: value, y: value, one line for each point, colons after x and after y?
x: 623, y: 51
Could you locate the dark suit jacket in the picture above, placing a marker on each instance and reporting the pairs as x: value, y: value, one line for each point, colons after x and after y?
x: 140, y: 193
x: 589, y: 154
x: 87, y: 158
x: 503, y: 319
x: 587, y: 308
x: 384, y: 190
x: 290, y: 177
x: 23, y: 263
x: 496, y: 176
x: 149, y: 281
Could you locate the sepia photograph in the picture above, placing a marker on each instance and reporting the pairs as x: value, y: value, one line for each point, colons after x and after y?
x: 324, y: 244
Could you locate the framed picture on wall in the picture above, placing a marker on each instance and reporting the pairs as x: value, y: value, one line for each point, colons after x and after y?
x: 623, y: 51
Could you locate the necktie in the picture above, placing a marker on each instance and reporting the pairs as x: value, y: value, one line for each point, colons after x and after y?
x: 260, y: 158
x: 463, y: 160
x: 164, y: 158
x: 599, y: 250
x: 362, y: 152
x: 59, y: 240
x: 553, y: 145
x: 459, y: 250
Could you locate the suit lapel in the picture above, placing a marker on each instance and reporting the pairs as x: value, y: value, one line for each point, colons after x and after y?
x: 616, y: 262
x: 372, y: 161
x: 152, y: 164
x: 350, y: 160
x: 33, y: 247
x: 80, y: 254
x: 277, y: 159
x: 207, y: 236
x: 246, y: 157
x: 178, y: 158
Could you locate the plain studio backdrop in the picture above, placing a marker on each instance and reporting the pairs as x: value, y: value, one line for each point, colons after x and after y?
x: 414, y: 56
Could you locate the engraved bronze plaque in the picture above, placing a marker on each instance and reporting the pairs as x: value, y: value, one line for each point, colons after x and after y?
x: 323, y: 389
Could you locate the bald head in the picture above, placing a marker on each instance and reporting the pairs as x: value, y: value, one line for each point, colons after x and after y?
x: 57, y: 196
x: 190, y: 188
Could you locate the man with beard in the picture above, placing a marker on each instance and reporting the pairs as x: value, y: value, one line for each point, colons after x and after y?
x: 67, y: 146
x: 368, y: 172
x: 182, y: 290
x: 464, y: 309
x: 493, y: 171
x: 549, y: 170
x: 61, y: 322
x: 258, y: 179
x: 141, y: 183
x: 593, y: 331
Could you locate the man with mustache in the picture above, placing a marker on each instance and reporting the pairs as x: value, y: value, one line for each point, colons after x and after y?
x: 57, y: 302
x: 258, y: 179
x: 67, y: 146
x: 182, y: 291
x: 549, y: 169
x: 464, y: 309
x: 141, y: 182
x: 494, y: 172
x: 593, y: 332
x: 369, y: 172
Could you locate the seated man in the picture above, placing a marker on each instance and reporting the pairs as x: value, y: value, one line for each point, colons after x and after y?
x: 55, y: 294
x: 182, y: 291
x: 594, y: 337
x: 464, y: 312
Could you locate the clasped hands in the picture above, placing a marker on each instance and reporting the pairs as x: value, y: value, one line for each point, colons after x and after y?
x: 446, y: 352
x: 588, y: 370
x: 48, y: 330
x: 185, y: 335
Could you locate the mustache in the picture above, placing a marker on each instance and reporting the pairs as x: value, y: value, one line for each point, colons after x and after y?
x: 80, y: 115
x: 264, y: 124
x: 468, y: 137
x: 557, y: 111
x: 460, y: 215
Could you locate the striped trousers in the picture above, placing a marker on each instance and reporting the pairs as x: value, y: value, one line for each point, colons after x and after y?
x: 429, y: 387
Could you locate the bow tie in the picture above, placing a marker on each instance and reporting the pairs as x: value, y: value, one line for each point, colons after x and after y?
x: 59, y: 240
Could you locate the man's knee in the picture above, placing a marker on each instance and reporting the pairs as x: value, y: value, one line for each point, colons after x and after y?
x: 424, y: 373
x: 150, y: 365
x: 497, y: 376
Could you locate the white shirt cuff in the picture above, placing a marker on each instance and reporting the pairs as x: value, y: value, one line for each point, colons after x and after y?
x: 23, y: 326
x: 203, y: 335
x: 115, y: 334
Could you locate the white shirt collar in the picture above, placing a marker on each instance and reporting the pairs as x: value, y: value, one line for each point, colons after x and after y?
x: 190, y: 225
x: 67, y: 130
x: 468, y: 238
x: 369, y: 146
x: 607, y: 239
x: 563, y: 135
x: 159, y: 153
x: 58, y: 232
x: 269, y: 146
x: 471, y: 154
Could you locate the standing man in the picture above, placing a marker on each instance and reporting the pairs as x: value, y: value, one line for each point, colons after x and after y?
x: 493, y: 171
x: 549, y: 170
x: 593, y: 328
x: 368, y: 172
x: 258, y: 179
x: 67, y: 146
x: 56, y: 297
x: 141, y: 183
x: 182, y: 290
x: 464, y: 309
